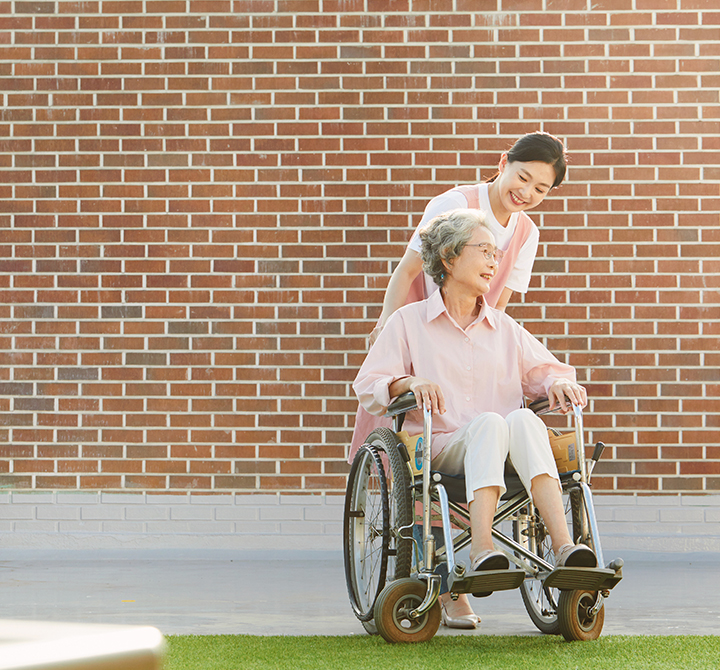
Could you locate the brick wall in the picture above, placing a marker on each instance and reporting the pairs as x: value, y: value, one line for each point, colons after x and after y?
x: 201, y: 202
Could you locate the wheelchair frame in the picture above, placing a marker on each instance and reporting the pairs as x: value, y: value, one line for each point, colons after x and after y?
x: 406, y: 608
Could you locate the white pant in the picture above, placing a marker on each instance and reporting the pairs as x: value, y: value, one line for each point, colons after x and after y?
x: 480, y: 448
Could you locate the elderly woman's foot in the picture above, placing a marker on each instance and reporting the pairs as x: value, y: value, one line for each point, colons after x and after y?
x: 575, y: 556
x: 490, y: 559
x: 458, y: 613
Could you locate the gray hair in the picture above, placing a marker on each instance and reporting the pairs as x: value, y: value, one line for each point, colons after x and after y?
x: 444, y: 238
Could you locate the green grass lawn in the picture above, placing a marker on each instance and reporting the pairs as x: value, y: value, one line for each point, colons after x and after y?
x: 474, y: 652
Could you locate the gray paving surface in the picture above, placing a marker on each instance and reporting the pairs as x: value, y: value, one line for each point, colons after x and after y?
x: 303, y: 593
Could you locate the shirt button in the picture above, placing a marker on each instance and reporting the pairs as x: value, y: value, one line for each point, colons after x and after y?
x: 467, y: 398
x: 468, y: 367
x: 467, y: 339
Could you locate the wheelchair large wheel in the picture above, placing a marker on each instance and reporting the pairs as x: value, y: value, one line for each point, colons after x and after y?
x: 366, y: 532
x: 542, y: 603
x: 393, y: 608
x: 397, y: 479
x: 575, y: 618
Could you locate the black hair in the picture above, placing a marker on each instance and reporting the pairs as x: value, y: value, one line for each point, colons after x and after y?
x: 543, y: 147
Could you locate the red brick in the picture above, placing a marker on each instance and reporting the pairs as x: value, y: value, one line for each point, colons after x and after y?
x: 681, y: 484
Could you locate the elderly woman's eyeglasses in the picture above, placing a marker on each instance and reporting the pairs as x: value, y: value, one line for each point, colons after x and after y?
x: 490, y: 252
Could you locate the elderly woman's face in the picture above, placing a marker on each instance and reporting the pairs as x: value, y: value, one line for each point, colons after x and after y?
x: 475, y: 267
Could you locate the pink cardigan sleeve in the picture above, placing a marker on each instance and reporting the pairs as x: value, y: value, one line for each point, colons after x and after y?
x: 540, y: 368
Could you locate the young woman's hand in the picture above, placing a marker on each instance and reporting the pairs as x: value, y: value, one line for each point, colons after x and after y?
x: 560, y: 389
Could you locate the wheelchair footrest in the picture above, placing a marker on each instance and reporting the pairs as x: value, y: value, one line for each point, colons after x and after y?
x: 484, y: 582
x: 576, y: 579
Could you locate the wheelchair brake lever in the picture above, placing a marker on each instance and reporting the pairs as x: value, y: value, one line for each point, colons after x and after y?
x: 599, y: 448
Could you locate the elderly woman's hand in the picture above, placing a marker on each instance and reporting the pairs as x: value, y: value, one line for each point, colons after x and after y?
x: 560, y: 389
x: 427, y: 393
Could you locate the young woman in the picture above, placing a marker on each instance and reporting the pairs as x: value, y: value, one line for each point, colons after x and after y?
x: 526, y: 174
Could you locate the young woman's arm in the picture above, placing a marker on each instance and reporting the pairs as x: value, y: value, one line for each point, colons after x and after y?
x: 410, y: 266
x: 504, y: 299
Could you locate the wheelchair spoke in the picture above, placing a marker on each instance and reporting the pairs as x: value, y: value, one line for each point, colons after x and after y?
x: 366, y: 532
x: 368, y: 570
x: 377, y: 503
x: 540, y: 602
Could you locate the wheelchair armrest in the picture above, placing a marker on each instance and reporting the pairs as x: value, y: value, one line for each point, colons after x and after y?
x: 403, y: 403
x: 406, y: 402
x: 542, y: 406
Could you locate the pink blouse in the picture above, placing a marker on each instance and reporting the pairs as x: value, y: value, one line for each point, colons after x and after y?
x: 488, y: 367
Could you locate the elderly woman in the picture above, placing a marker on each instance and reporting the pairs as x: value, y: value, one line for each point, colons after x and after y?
x: 472, y: 365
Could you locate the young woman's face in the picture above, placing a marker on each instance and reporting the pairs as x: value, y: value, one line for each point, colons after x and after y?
x: 523, y: 186
x: 474, y: 268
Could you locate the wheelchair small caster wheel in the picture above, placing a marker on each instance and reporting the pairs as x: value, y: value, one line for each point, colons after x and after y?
x: 576, y: 617
x: 392, y: 613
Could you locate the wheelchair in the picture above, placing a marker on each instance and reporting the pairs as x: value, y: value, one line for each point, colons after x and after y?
x: 392, y: 577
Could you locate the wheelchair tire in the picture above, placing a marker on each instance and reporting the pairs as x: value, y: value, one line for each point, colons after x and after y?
x: 540, y: 602
x: 576, y: 623
x: 366, y: 532
x: 398, y: 482
x: 394, y: 605
x: 580, y: 526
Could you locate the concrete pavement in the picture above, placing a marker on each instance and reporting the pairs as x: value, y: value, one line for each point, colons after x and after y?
x: 303, y: 593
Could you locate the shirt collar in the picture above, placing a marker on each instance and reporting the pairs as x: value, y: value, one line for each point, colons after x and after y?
x: 436, y: 306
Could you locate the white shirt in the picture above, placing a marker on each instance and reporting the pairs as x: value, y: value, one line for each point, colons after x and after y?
x: 519, y: 279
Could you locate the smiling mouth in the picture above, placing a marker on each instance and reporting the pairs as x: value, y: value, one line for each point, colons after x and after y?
x: 515, y: 200
x: 487, y: 276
